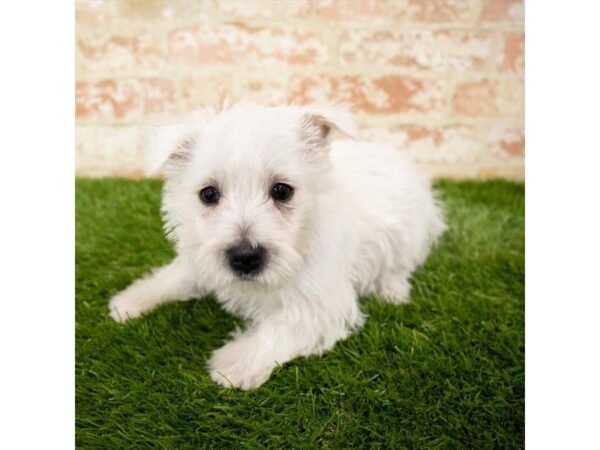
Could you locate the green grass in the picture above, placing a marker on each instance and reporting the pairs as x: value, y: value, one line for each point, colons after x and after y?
x: 444, y: 371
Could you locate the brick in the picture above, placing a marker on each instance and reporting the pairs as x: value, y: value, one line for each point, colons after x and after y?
x: 242, y: 44
x: 513, y: 55
x: 499, y: 169
x: 104, y: 150
x: 145, y: 9
x: 93, y: 12
x: 429, y: 50
x: 160, y: 10
x: 351, y: 10
x: 378, y: 95
x: 114, y: 100
x: 119, y: 51
x: 265, y: 89
x: 204, y: 90
x: 261, y: 52
x: 503, y: 11
x: 216, y: 90
x: 107, y: 99
x: 506, y: 141
x: 453, y: 144
x: 158, y: 97
x: 433, y: 11
x: 449, y: 144
x: 489, y: 98
x: 264, y: 9
x: 104, y: 12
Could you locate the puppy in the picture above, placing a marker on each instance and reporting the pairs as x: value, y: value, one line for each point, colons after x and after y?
x: 284, y: 228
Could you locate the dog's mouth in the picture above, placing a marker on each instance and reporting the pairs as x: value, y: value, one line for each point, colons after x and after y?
x: 252, y: 276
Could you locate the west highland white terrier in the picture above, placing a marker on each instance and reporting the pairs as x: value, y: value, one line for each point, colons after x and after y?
x: 284, y: 228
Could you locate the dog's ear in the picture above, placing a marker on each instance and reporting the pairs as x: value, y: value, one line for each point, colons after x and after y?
x: 170, y: 145
x: 319, y: 121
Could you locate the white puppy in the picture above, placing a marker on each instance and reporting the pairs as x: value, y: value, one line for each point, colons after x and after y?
x: 284, y: 228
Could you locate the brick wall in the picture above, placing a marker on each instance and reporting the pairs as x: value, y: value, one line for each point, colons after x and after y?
x: 440, y: 79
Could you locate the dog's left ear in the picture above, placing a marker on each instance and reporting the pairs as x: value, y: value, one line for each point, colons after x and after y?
x: 319, y: 121
x: 170, y: 144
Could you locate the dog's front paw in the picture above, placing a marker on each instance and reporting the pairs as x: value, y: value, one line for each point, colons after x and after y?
x: 240, y: 364
x: 125, y: 306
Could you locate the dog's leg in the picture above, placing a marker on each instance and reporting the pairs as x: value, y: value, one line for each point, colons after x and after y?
x: 172, y: 282
x: 394, y: 286
x: 247, y: 361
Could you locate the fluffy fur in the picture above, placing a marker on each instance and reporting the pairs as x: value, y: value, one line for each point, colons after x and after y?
x: 360, y: 220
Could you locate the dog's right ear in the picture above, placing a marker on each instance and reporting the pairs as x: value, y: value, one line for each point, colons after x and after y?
x: 318, y: 121
x: 169, y: 145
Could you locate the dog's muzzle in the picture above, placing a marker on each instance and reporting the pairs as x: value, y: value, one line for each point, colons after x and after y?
x: 246, y: 260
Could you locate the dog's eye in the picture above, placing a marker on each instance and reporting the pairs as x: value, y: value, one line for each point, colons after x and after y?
x: 281, y: 192
x: 209, y: 195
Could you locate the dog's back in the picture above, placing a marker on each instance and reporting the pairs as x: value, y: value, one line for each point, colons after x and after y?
x: 396, y: 216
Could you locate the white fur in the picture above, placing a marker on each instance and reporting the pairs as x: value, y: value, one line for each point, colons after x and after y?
x: 360, y: 221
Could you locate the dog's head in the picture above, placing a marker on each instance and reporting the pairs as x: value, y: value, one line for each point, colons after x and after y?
x: 242, y: 187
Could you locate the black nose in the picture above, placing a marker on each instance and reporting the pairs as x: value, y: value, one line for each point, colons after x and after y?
x: 246, y: 259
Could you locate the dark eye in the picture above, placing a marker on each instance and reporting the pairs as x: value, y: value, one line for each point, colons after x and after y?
x: 281, y: 192
x: 209, y: 195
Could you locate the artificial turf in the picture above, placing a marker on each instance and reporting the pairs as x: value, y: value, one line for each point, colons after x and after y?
x: 444, y: 371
